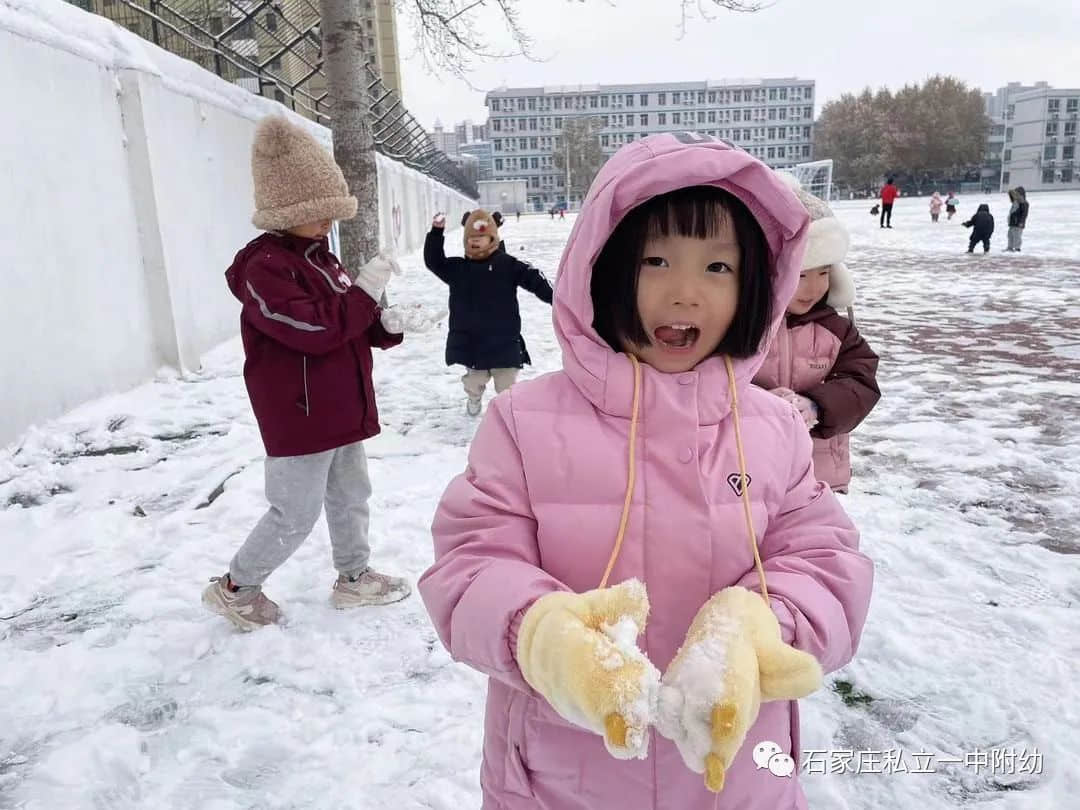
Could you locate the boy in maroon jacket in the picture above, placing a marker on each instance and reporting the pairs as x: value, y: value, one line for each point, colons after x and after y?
x: 307, y: 331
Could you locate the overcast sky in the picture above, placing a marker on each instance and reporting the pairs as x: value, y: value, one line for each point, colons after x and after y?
x: 843, y: 44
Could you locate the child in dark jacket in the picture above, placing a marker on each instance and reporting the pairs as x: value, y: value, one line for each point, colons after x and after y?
x: 982, y: 225
x: 485, y: 322
x: 308, y: 330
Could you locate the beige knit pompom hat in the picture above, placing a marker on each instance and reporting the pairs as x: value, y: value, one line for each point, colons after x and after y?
x: 296, y: 178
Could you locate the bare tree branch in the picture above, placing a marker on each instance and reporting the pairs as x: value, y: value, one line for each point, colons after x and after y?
x: 449, y: 39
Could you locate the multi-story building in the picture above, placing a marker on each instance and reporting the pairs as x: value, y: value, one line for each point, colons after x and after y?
x: 770, y: 118
x: 282, y: 39
x: 997, y: 104
x: 1042, y: 136
x: 468, y: 132
x: 446, y: 142
x: 482, y: 151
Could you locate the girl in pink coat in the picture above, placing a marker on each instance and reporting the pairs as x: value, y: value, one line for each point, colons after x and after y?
x: 651, y: 461
x: 818, y: 361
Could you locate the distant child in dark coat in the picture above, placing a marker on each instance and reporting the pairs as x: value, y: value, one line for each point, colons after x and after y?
x: 485, y: 322
x: 983, y: 228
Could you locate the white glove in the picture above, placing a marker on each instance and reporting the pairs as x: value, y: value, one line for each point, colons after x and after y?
x: 413, y: 318
x: 374, y: 275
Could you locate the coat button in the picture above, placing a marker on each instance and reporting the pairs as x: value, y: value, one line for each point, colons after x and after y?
x: 686, y: 379
x: 686, y: 455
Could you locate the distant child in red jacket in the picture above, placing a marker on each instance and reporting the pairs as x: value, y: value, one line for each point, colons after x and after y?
x: 889, y: 193
x: 308, y: 330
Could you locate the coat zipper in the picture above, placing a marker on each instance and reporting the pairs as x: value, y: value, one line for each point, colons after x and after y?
x: 307, y: 400
x: 785, y: 356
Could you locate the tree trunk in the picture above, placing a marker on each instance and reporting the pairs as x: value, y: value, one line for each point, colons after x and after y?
x: 345, y: 56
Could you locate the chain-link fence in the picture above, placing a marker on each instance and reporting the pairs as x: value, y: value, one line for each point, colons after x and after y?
x: 273, y: 48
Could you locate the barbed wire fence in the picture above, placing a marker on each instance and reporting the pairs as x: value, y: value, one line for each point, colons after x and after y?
x: 273, y: 48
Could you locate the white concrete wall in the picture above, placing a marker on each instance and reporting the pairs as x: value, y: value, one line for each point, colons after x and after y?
x: 126, y: 192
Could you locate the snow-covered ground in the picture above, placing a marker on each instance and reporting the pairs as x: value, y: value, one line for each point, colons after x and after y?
x: 117, y: 690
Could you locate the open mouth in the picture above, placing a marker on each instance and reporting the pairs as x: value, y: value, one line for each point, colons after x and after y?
x: 677, y: 335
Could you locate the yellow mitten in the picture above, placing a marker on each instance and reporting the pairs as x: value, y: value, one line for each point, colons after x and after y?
x: 732, y: 660
x: 580, y: 652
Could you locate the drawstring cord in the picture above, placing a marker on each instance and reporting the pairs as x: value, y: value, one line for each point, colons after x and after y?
x: 632, y: 476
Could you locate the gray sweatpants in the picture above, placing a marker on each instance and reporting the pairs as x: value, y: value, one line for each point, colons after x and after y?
x: 297, y: 487
x: 1016, y: 236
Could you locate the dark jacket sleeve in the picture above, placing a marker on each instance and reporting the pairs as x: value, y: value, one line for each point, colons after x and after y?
x: 531, y: 279
x: 435, y: 256
x: 850, y: 391
x: 274, y: 304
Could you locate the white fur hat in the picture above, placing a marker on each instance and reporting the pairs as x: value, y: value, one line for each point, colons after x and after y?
x: 827, y: 245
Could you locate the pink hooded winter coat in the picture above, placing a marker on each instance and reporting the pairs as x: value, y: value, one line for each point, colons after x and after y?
x: 538, y: 507
x: 821, y: 355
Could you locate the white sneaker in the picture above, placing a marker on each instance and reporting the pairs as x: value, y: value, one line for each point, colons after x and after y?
x: 472, y: 407
x: 247, y: 608
x: 368, y: 589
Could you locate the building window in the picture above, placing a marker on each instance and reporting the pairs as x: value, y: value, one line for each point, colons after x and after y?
x: 496, y: 125
x: 605, y: 140
x: 806, y: 150
x: 701, y: 97
x: 771, y: 152
x: 746, y: 115
x: 558, y: 123
x: 534, y: 163
x: 783, y: 114
x: 1067, y: 175
x: 1051, y: 127
x: 806, y: 132
x: 1067, y: 153
x: 661, y: 99
x: 1070, y: 129
x: 604, y: 101
x: 495, y: 105
x: 701, y: 117
x: 1005, y: 178
x: 772, y: 94
x: 772, y: 133
x: 523, y: 144
x: 643, y: 119
x: 661, y: 119
x: 1050, y: 152
x: 1048, y: 175
x: 498, y: 145
x: 532, y: 103
x: 1053, y: 105
x: 498, y: 164
x: 772, y: 114
x: 1072, y: 104
x: 736, y: 96
x: 629, y: 100
x: 712, y: 116
x: 644, y: 100
x: 676, y: 118
x: 808, y: 112
x: 534, y: 143
x: 1007, y: 155
x: 783, y: 94
x: 712, y: 96
x: 533, y: 124
x: 593, y: 101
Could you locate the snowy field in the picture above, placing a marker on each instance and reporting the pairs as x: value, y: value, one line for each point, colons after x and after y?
x: 117, y: 690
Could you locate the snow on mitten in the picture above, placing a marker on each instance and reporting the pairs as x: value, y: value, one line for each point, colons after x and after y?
x: 374, y: 275
x: 411, y: 318
x: 808, y: 409
x: 732, y: 660
x: 580, y: 652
